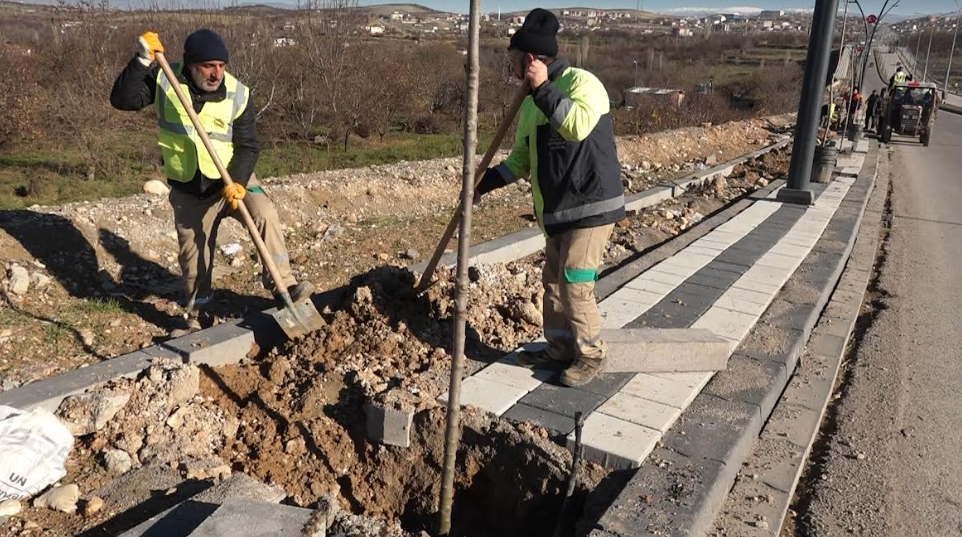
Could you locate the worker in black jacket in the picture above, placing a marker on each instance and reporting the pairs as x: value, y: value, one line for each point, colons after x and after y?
x: 199, y: 198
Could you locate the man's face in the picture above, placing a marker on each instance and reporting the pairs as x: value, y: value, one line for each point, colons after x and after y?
x: 517, y: 63
x: 208, y: 75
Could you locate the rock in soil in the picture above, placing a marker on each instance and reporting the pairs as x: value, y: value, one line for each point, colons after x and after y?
x: 10, y: 507
x: 89, y: 412
x: 117, y: 461
x: 18, y: 280
x: 59, y: 499
x: 93, y: 506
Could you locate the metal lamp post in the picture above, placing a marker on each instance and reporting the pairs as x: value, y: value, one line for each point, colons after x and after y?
x: 636, y: 73
x: 948, y: 71
x: 813, y: 88
x: 928, y: 53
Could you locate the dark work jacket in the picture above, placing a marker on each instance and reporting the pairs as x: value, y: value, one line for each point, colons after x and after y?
x: 136, y: 88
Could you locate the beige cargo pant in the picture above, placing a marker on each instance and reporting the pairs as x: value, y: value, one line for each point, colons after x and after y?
x: 197, y: 221
x: 572, y: 323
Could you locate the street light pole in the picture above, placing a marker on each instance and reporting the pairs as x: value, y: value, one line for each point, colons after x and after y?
x: 928, y: 53
x: 945, y: 87
x: 813, y: 89
x: 918, y: 47
x: 636, y: 73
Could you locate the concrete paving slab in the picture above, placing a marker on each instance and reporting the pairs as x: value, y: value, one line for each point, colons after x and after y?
x: 640, y: 411
x: 615, y: 443
x: 659, y: 275
x: 640, y: 350
x: 747, y: 380
x: 660, y: 390
x: 695, y: 380
x: 558, y: 424
x: 505, y: 372
x: 716, y: 429
x: 224, y: 344
x: 607, y: 384
x: 726, y: 323
x: 644, y: 298
x: 488, y: 395
x: 645, y: 283
x: 562, y: 400
x: 254, y: 519
x: 616, y: 312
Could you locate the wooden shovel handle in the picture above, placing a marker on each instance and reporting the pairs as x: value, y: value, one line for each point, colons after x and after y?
x: 519, y: 97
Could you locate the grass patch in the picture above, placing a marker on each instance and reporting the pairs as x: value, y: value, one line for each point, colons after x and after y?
x: 55, y: 333
x: 100, y: 306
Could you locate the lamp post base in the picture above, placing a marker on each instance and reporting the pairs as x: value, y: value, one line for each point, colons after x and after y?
x: 798, y: 197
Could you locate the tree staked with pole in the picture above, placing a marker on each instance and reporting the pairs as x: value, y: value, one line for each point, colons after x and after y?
x: 453, y: 428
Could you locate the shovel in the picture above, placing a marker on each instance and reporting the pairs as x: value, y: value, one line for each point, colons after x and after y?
x: 428, y: 273
x: 295, y: 319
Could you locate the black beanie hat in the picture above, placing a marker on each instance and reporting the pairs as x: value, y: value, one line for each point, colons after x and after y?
x: 204, y: 46
x: 537, y: 34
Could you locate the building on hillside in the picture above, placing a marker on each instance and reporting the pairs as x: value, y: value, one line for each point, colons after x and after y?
x: 519, y: 20
x: 511, y: 31
x: 770, y: 14
x: 376, y: 29
x: 636, y: 96
x: 397, y: 15
x: 681, y: 32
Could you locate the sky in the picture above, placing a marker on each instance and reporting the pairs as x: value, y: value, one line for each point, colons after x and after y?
x: 906, y: 7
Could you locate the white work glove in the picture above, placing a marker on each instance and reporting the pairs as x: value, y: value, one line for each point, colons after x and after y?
x: 149, y: 44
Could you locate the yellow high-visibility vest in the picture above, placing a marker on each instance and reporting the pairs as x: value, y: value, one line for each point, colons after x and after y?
x: 183, y: 150
x: 901, y: 77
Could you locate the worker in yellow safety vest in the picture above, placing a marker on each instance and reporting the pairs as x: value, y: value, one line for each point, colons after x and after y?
x: 199, y: 198
x: 899, y: 78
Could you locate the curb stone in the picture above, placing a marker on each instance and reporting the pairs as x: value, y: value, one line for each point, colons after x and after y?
x: 702, y: 474
x: 795, y: 422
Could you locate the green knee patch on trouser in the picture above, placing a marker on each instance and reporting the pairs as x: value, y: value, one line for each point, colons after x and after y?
x: 255, y: 189
x: 581, y: 275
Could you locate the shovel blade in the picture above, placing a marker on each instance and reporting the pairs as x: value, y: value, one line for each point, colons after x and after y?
x: 299, y: 319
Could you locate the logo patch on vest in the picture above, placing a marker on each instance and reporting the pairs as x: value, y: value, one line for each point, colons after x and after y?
x: 219, y: 123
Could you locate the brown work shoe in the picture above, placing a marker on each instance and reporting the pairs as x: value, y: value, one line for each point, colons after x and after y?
x: 184, y: 326
x: 583, y: 371
x: 540, y: 360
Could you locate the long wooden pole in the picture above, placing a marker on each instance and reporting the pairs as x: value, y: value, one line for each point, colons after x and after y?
x: 452, y: 433
x: 428, y: 273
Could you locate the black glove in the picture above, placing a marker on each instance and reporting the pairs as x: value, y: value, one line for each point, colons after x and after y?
x: 491, y: 180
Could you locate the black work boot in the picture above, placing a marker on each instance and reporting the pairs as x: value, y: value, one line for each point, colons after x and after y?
x: 540, y: 360
x: 583, y: 371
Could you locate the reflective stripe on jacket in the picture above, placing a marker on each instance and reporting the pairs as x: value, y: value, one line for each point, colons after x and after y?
x: 566, y: 145
x: 183, y: 150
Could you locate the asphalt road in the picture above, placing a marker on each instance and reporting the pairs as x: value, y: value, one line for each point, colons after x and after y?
x: 892, y: 462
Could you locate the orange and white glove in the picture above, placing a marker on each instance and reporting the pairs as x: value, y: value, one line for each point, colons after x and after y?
x: 149, y: 45
x: 234, y: 193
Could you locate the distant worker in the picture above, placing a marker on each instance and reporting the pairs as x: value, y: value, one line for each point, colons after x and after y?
x: 565, y: 145
x: 899, y: 78
x: 198, y: 195
x: 871, y: 110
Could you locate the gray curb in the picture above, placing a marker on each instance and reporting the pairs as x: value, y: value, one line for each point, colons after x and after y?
x: 230, y: 342
x: 686, y: 479
x: 785, y: 444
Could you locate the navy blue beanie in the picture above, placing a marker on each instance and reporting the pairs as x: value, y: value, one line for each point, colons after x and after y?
x: 538, y: 34
x: 204, y: 46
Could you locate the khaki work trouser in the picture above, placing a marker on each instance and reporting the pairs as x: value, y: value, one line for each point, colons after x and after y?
x: 197, y: 221
x: 572, y: 324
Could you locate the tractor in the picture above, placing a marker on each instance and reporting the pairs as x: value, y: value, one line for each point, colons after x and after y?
x: 909, y: 109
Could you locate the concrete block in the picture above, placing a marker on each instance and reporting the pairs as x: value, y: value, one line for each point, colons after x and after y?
x: 691, y: 260
x: 615, y: 443
x: 389, y: 424
x: 749, y: 295
x: 660, y: 390
x: 757, y: 382
x: 223, y: 344
x: 644, y: 298
x: 616, y: 312
x: 178, y: 521
x: 241, y: 486
x: 730, y: 301
x: 694, y: 380
x: 488, y: 395
x: 652, y: 196
x: 640, y: 411
x: 254, y: 519
x: 775, y: 260
x: 639, y: 350
x: 710, y: 277
x: 665, y: 275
